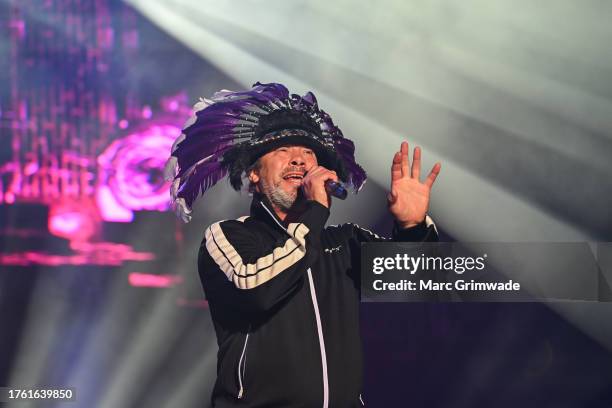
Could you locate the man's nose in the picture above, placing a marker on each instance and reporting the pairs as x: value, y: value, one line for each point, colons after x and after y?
x: 297, y: 159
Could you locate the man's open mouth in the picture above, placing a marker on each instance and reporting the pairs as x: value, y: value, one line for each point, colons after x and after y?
x: 294, y: 178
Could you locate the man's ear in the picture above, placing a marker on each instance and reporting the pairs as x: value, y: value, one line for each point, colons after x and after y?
x: 254, y: 176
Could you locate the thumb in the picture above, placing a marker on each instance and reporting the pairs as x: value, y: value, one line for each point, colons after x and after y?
x: 392, y: 197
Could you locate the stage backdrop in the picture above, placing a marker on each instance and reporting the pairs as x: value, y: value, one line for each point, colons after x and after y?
x: 98, y: 282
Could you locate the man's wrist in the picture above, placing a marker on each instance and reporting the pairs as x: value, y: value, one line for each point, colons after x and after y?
x: 408, y: 224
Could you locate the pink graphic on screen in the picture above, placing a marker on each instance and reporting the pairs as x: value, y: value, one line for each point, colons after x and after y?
x: 130, y: 173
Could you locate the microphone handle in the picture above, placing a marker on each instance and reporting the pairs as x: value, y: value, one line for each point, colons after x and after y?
x: 336, y: 189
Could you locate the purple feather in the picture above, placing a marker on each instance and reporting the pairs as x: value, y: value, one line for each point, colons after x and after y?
x: 186, y: 161
x: 345, y: 148
x: 203, y: 177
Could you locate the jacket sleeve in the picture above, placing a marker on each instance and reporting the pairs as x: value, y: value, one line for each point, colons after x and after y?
x: 424, y: 232
x: 261, y: 274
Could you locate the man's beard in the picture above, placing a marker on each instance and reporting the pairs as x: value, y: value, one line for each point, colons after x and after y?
x: 283, y: 200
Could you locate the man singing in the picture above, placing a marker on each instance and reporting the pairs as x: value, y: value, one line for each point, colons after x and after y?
x: 283, y: 289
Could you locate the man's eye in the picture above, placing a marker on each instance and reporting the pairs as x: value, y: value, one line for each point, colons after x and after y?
x: 309, y: 152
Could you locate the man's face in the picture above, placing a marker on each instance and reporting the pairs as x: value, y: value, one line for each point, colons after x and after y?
x: 280, y: 174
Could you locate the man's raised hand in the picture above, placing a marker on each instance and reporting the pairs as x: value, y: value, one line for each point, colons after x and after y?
x: 409, y: 198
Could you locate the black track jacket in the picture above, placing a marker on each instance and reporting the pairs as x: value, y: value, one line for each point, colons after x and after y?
x: 285, y: 306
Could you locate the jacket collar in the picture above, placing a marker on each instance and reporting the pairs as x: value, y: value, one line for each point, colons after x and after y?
x: 262, y: 210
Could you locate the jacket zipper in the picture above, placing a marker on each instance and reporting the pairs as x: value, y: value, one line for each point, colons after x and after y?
x: 242, y: 365
x: 315, y: 304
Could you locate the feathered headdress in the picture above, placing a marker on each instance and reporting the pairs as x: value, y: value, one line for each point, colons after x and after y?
x: 232, y: 129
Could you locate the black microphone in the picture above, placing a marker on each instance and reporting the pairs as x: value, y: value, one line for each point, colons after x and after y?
x: 336, y: 189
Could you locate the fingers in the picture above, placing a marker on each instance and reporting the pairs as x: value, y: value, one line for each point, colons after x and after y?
x: 396, y: 167
x: 322, y: 173
x: 416, y: 163
x: 433, y: 174
x: 401, y: 165
x: 313, y: 184
x: 392, y: 197
x: 404, y: 159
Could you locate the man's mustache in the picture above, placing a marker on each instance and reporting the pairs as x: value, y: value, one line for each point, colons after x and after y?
x: 294, y: 169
